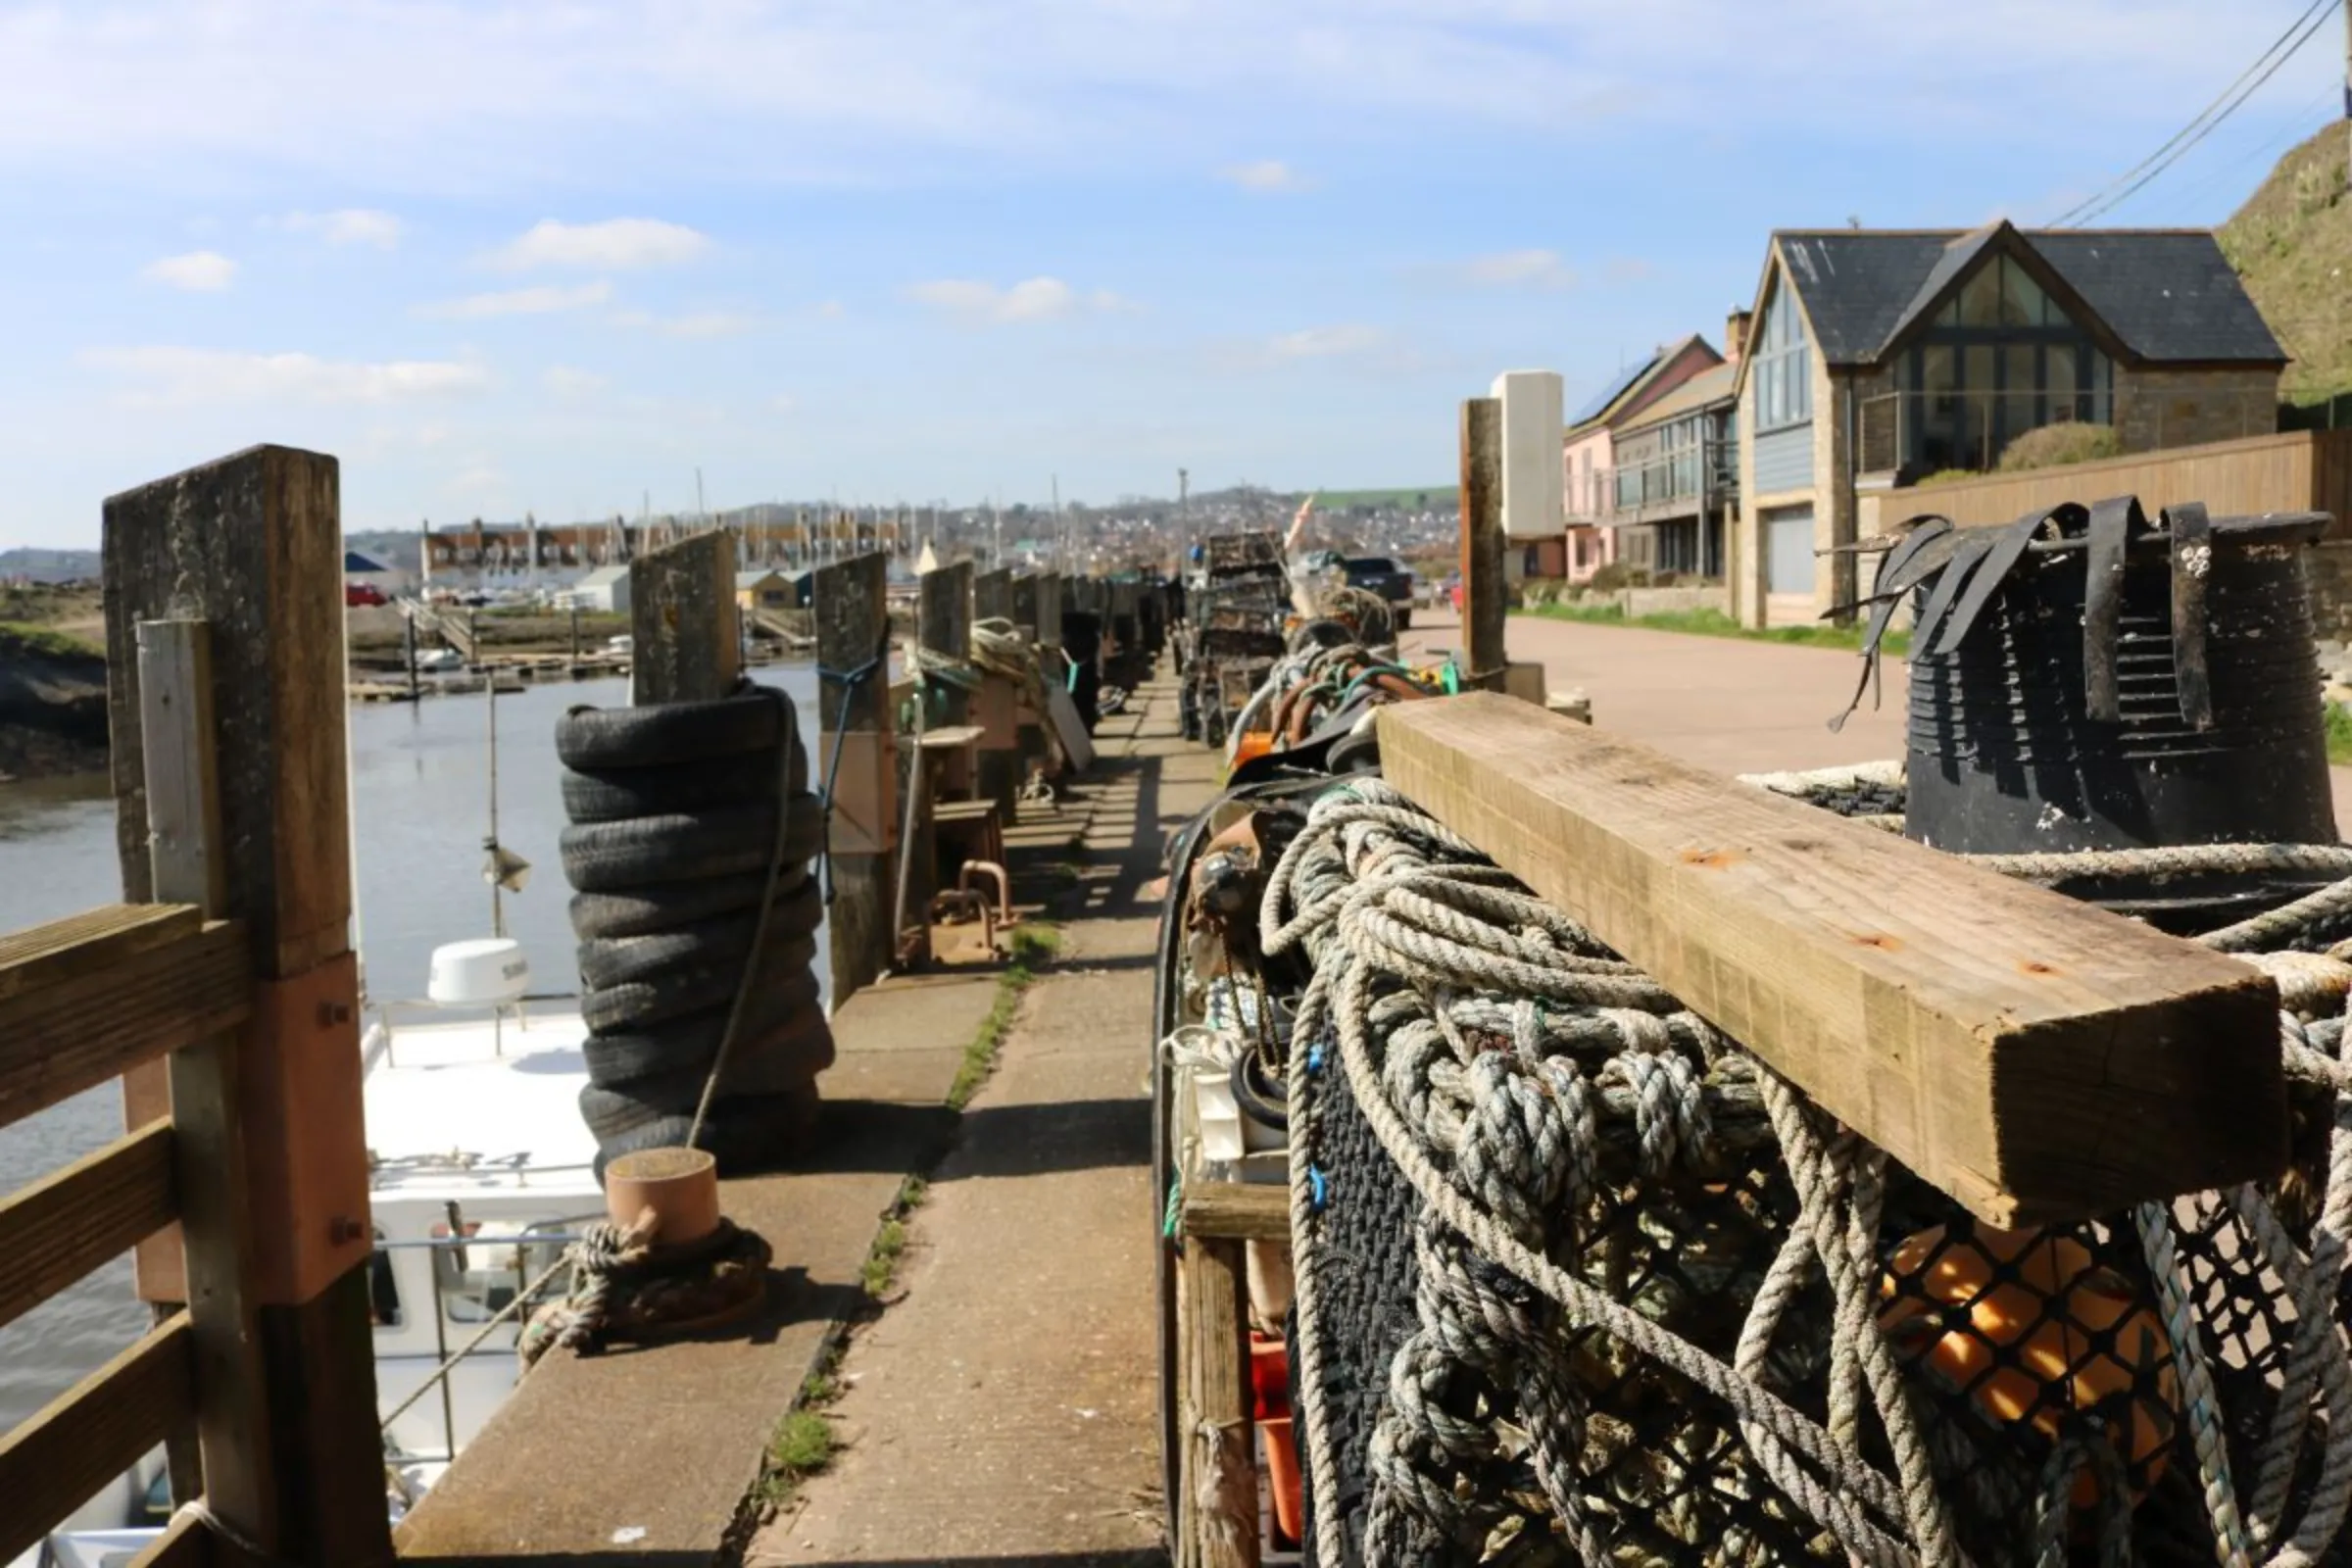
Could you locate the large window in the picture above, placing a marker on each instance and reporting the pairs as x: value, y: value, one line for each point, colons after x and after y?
x: 1784, y: 369
x: 2000, y: 357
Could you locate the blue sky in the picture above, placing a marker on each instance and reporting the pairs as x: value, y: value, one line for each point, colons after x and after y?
x: 509, y: 254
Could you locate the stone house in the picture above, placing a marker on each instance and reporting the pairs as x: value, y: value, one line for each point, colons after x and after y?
x: 1875, y: 357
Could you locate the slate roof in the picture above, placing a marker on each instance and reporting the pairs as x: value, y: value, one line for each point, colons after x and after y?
x: 2168, y: 295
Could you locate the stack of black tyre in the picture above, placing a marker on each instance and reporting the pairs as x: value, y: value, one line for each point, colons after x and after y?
x: 676, y: 811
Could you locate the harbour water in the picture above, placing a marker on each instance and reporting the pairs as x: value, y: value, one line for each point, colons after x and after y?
x: 421, y: 792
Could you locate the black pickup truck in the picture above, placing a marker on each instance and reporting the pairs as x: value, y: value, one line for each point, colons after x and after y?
x: 1388, y: 577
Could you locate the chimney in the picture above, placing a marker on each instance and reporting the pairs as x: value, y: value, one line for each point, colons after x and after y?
x: 1734, y: 334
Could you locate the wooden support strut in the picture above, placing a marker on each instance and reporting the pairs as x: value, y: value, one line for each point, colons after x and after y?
x: 2036, y: 1057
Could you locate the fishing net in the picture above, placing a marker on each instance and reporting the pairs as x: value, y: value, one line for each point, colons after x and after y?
x: 1578, y: 1280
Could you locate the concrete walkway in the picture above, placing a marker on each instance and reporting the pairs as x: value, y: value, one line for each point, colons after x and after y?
x: 1722, y: 703
x: 1005, y: 1408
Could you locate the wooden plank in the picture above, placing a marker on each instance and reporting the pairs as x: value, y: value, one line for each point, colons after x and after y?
x: 1221, y: 1476
x: 90, y: 1433
x: 254, y: 545
x: 62, y: 1039
x: 59, y: 1228
x: 687, y: 632
x: 2036, y: 1059
x: 189, y: 1543
x: 1242, y: 1211
x: 85, y: 943
x: 185, y: 862
x: 1483, y: 585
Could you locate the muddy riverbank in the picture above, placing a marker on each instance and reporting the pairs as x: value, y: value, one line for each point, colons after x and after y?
x: 52, y: 705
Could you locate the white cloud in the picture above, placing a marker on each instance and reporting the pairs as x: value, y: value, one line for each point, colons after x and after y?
x: 1034, y: 299
x: 539, y: 301
x: 200, y: 272
x: 832, y: 310
x: 692, y: 324
x: 616, y: 243
x: 570, y: 381
x: 350, y: 226
x: 1527, y: 268
x: 171, y: 377
x: 1326, y: 342
x: 1269, y: 175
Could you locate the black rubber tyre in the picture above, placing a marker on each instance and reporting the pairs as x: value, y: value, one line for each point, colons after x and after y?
x: 690, y: 1043
x: 631, y: 1007
x: 688, y: 845
x: 665, y: 734
x: 674, y: 905
x: 744, y: 1134
x: 612, y: 795
x: 608, y: 962
x: 1404, y: 619
x: 617, y: 1112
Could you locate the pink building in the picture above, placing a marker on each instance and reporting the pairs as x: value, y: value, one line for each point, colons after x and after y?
x: 1588, y: 452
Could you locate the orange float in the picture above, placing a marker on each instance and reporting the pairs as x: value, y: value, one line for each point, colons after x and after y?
x: 2032, y: 1329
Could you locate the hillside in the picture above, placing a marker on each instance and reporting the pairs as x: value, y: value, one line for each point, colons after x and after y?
x: 2292, y: 244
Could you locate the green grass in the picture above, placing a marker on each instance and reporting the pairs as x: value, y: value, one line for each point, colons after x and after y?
x: 1033, y: 948
x: 2339, y: 735
x: 18, y: 638
x: 1714, y: 623
x: 802, y: 1446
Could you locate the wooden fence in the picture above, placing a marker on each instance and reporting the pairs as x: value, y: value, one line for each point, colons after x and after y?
x: 224, y: 993
x: 2298, y: 471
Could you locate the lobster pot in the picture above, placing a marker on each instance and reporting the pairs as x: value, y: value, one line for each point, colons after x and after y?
x: 2004, y: 757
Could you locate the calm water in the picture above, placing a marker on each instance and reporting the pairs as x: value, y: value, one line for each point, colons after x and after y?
x: 420, y: 788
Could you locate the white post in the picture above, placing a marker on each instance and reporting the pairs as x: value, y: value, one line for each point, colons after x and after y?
x: 1533, y: 505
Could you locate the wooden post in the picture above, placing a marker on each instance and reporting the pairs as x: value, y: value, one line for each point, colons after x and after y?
x: 253, y: 545
x: 852, y: 632
x: 943, y: 626
x: 686, y: 637
x: 991, y: 595
x: 1023, y: 610
x: 204, y: 1083
x: 1219, y: 1515
x: 1483, y: 586
x: 997, y: 705
x: 2036, y: 1057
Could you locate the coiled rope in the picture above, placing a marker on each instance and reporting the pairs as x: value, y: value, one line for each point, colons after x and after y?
x: 1423, y: 953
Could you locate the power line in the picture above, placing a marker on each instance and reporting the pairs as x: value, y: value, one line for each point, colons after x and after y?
x: 2266, y: 65
x: 2300, y: 125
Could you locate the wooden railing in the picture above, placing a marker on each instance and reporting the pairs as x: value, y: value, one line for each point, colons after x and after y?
x: 223, y: 996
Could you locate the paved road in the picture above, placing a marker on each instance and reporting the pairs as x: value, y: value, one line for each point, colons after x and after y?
x: 1722, y: 703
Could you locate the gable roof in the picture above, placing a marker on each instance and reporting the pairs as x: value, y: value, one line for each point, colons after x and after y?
x: 1630, y: 385
x: 1717, y: 383
x: 2165, y: 295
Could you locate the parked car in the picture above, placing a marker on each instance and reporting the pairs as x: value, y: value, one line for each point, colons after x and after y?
x: 363, y: 593
x: 1385, y: 577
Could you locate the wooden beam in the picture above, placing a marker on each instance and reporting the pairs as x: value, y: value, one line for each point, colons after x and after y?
x: 686, y: 633
x: 86, y: 942
x: 87, y: 1437
x: 1219, y: 1515
x: 187, y: 861
x: 2036, y: 1059
x: 64, y: 1038
x: 1244, y: 1211
x: 1483, y: 584
x: 59, y: 1228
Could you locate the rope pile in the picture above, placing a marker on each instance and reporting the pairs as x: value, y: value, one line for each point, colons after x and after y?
x: 624, y: 1287
x: 1579, y: 1279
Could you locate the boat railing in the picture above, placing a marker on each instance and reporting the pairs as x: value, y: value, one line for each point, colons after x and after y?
x: 384, y: 1015
x: 532, y: 1290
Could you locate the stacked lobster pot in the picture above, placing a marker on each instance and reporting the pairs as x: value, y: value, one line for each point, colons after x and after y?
x: 691, y: 835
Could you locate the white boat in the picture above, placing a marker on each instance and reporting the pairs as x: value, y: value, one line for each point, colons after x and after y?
x: 480, y: 1173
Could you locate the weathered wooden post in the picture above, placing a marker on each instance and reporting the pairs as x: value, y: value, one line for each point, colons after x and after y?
x: 685, y: 635
x: 285, y: 1375
x: 857, y: 754
x: 997, y: 705
x: 1483, y: 587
